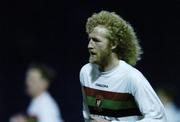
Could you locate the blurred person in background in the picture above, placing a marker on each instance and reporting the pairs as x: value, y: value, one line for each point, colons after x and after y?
x: 43, y: 108
x: 167, y: 94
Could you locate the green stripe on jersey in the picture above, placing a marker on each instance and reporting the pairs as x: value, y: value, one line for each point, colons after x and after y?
x: 111, y: 104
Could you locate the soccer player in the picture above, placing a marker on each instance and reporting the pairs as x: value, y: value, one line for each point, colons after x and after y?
x: 43, y: 108
x: 113, y: 90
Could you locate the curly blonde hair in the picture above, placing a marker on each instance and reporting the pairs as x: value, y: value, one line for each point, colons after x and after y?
x: 120, y: 31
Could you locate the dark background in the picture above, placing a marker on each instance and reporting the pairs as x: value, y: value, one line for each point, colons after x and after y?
x: 53, y: 32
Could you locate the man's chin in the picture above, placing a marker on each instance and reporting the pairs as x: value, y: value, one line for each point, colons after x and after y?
x: 92, y: 61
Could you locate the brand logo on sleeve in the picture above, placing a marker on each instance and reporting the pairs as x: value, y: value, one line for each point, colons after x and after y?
x: 101, y: 85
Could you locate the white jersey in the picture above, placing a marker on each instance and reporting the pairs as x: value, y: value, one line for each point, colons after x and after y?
x: 45, y: 109
x: 120, y: 95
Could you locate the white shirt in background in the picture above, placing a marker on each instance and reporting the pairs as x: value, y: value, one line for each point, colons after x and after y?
x: 45, y: 109
x: 173, y: 114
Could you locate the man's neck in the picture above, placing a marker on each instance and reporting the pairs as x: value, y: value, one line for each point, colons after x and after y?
x: 38, y: 94
x: 110, y: 64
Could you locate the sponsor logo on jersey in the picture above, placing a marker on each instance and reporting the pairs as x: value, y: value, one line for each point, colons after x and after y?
x: 101, y: 85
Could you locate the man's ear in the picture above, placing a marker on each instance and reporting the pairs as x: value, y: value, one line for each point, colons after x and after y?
x: 114, y: 44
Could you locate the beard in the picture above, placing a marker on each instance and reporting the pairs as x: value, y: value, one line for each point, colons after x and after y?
x: 100, y: 58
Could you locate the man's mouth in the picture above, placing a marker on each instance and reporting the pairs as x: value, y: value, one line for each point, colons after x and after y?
x: 92, y: 53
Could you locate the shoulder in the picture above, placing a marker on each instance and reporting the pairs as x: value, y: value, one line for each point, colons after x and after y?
x: 134, y: 76
x: 50, y: 100
x: 137, y: 78
x: 47, y: 102
x: 137, y: 81
x: 87, y: 68
x: 88, y: 71
x: 43, y: 104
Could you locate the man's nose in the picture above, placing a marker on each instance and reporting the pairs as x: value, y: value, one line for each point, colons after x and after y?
x: 90, y: 44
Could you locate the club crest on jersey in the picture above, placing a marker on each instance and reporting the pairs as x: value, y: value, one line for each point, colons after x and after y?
x: 99, y: 99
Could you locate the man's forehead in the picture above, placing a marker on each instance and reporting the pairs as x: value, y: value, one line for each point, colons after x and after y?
x: 99, y: 31
x: 33, y: 72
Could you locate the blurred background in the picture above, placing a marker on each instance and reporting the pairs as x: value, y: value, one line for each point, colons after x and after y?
x: 53, y: 32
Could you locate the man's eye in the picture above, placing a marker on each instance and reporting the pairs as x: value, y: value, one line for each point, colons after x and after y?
x: 95, y: 40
